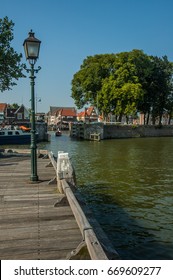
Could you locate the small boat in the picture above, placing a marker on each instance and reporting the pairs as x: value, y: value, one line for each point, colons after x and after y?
x: 14, y: 136
x: 58, y: 133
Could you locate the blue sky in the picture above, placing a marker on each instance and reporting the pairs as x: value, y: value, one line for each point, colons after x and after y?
x: 71, y: 30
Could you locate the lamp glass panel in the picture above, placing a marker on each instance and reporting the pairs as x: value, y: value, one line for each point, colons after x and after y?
x: 33, y: 49
x: 26, y: 50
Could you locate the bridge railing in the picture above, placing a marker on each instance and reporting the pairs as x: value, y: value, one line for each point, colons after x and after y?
x: 66, y: 183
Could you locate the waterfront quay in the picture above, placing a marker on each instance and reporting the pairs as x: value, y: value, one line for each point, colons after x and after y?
x: 31, y: 227
x: 101, y: 131
x: 37, y: 220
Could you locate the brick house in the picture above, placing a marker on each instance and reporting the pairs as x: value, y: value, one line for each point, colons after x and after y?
x: 18, y: 116
x: 88, y: 115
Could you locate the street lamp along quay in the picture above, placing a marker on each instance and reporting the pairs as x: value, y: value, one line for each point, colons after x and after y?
x: 32, y: 48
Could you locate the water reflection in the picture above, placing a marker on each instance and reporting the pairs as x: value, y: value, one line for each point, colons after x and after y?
x: 139, y: 229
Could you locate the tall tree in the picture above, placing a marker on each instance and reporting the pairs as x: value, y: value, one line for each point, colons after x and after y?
x: 10, y: 62
x: 161, y: 87
x: 125, y: 83
x: 122, y: 89
x: 87, y: 82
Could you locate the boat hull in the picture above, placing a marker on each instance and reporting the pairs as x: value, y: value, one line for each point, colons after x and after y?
x: 15, y: 137
x: 15, y: 140
x: 58, y: 133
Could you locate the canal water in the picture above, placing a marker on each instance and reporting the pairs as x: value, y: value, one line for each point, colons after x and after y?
x: 128, y: 184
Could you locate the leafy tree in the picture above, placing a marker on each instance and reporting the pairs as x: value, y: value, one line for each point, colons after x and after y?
x: 143, y: 70
x: 122, y: 88
x: 14, y: 106
x: 87, y: 82
x: 125, y: 83
x: 111, y: 81
x: 161, y: 87
x: 10, y: 61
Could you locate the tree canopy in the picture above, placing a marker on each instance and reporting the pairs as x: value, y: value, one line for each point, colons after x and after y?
x: 125, y: 83
x: 10, y: 61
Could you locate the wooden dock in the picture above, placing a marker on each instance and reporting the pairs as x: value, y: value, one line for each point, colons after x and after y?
x: 31, y: 227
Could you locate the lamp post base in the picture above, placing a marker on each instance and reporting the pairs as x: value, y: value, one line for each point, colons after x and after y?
x: 34, y: 178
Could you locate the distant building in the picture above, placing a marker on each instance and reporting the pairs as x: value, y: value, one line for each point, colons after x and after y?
x: 88, y: 115
x: 61, y: 116
x: 19, y: 116
x: 40, y: 117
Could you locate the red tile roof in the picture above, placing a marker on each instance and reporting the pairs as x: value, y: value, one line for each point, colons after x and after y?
x: 89, y: 110
x: 81, y: 114
x: 3, y: 107
x: 68, y: 112
x: 86, y: 113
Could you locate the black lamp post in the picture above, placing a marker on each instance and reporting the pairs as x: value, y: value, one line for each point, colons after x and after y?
x: 32, y: 47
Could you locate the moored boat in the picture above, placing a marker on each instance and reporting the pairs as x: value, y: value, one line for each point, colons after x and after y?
x: 58, y: 133
x: 14, y: 136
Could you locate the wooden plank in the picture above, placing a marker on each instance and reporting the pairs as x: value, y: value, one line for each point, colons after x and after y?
x: 31, y: 227
x: 94, y: 247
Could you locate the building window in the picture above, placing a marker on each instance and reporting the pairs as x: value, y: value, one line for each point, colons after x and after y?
x: 19, y: 116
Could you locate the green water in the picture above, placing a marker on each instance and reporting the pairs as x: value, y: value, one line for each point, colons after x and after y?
x: 128, y: 183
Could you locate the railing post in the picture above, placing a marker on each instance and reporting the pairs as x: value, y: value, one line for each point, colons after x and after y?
x: 64, y: 170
